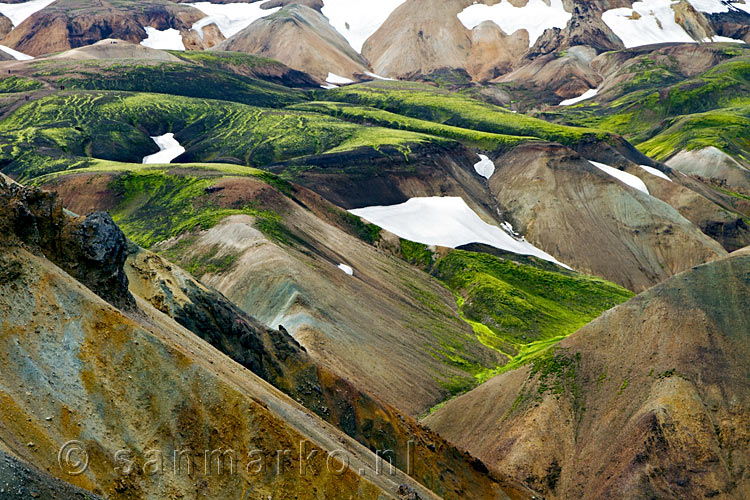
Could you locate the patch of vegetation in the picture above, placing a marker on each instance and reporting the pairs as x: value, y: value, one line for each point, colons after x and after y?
x: 427, y: 103
x: 177, y: 79
x: 381, y: 118
x: 117, y: 126
x: 154, y: 206
x: 13, y: 84
x: 521, y: 304
x: 416, y: 254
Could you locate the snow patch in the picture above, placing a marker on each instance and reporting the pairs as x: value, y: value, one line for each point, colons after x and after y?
x: 535, y: 17
x: 348, y: 270
x: 586, y: 95
x: 485, y: 167
x: 169, y: 149
x: 169, y: 39
x: 337, y: 80
x: 447, y: 222
x: 231, y: 18
x: 20, y: 56
x: 19, y: 12
x: 624, y: 177
x: 656, y: 172
x: 358, y: 20
x: 648, y: 22
x: 378, y: 77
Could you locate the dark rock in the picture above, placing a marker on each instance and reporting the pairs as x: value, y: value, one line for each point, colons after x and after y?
x: 91, y: 249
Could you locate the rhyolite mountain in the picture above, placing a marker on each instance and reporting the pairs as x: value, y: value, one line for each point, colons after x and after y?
x: 411, y: 226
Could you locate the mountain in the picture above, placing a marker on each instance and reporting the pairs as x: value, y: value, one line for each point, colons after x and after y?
x: 226, y: 406
x: 648, y: 401
x: 402, y: 236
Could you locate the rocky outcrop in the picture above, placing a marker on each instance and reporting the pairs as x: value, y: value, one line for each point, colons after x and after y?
x: 92, y: 249
x: 651, y: 400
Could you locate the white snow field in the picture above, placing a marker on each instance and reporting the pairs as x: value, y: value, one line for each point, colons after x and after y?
x: 19, y: 12
x: 358, y: 20
x: 624, y: 177
x: 15, y: 54
x: 650, y: 21
x: 447, y: 222
x: 535, y: 17
x: 656, y: 172
x: 335, y: 79
x: 169, y: 39
x: 231, y: 18
x: 348, y: 270
x: 485, y: 167
x: 583, y: 97
x: 169, y: 149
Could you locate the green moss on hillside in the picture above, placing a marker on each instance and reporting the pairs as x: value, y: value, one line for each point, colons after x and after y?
x: 117, y: 126
x: 13, y: 84
x: 427, y: 103
x: 522, y: 310
x: 379, y: 117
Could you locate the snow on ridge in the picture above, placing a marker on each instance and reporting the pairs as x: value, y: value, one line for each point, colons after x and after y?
x: 19, y: 12
x: 358, y: 20
x: 231, y: 18
x: 169, y: 39
x: 535, y: 17
x: 624, y: 177
x: 169, y: 149
x: 347, y: 269
x: 447, y: 222
x: 20, y: 56
x: 656, y: 172
x: 485, y: 167
x: 583, y: 97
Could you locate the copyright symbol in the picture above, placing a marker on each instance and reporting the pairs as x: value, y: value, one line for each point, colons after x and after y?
x: 73, y: 458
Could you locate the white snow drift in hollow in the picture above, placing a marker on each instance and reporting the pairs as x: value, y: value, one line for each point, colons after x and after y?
x: 231, y: 18
x: 535, y: 17
x: 15, y: 54
x: 485, y: 167
x: 378, y: 77
x: 447, y: 222
x: 169, y: 150
x: 626, y: 178
x: 656, y: 172
x: 717, y: 39
x: 348, y: 270
x: 169, y: 39
x: 649, y: 21
x: 19, y: 12
x: 335, y: 79
x: 358, y: 20
x: 586, y: 95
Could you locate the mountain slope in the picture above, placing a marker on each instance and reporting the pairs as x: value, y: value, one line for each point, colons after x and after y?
x: 177, y: 392
x: 649, y: 400
x: 303, y: 39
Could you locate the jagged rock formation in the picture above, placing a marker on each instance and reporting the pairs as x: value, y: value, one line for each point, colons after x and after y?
x: 651, y: 400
